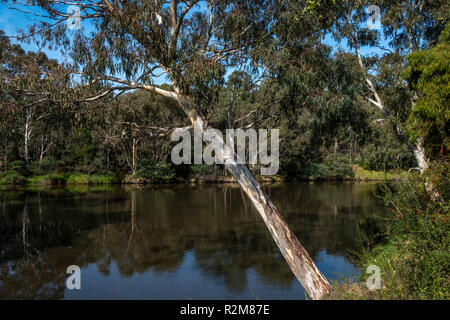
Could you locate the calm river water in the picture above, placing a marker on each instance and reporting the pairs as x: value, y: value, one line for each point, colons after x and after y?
x: 172, y: 242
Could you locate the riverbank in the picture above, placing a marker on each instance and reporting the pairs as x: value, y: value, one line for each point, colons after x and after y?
x: 13, y: 177
x: 410, y: 246
x: 16, y: 177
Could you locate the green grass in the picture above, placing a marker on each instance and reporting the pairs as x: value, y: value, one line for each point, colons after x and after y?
x: 13, y: 177
x: 360, y: 173
x: 77, y: 178
x: 329, y: 172
x: 163, y: 172
x: 104, y: 179
x: 410, y: 245
x: 94, y: 179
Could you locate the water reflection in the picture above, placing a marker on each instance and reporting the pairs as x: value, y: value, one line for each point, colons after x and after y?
x: 171, y: 242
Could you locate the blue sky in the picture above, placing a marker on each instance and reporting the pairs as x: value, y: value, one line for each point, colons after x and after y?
x: 11, y: 21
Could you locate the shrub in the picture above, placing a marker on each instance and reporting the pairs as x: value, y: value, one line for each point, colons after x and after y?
x: 77, y: 178
x: 414, y: 253
x: 95, y: 179
x: 204, y: 170
x: 104, y: 179
x: 156, y: 171
x: 334, y: 167
x: 48, y: 164
x: 51, y: 179
x: 12, y: 177
x: 19, y: 167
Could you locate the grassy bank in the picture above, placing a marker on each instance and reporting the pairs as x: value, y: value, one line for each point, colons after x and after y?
x: 15, y: 178
x: 323, y: 172
x: 166, y: 173
x: 411, y: 246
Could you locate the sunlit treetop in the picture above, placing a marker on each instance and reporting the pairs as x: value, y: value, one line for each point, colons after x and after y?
x: 428, y: 72
x: 192, y: 43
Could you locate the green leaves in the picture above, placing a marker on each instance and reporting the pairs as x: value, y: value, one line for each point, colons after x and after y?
x: 428, y: 72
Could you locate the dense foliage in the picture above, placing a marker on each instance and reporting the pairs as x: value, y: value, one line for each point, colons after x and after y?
x: 410, y: 244
x: 428, y: 71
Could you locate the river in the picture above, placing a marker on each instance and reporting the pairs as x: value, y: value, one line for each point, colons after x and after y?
x: 172, y: 241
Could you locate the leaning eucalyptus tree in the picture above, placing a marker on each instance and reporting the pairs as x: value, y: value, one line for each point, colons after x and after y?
x: 127, y: 45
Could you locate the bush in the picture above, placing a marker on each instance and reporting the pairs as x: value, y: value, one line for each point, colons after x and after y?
x: 19, y: 167
x: 316, y: 171
x: 205, y: 170
x: 290, y: 167
x: 156, y: 171
x: 334, y: 167
x: 77, y: 178
x: 104, y: 179
x: 48, y: 179
x: 48, y: 164
x: 414, y: 253
x: 96, y: 179
x: 12, y: 177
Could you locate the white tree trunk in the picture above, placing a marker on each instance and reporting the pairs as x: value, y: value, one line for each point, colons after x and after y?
x: 43, y: 150
x: 27, y: 134
x: 298, y: 259
x: 133, y: 156
x: 417, y: 148
x: 419, y: 153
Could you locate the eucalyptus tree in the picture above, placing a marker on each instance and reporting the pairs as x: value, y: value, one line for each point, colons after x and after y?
x: 8, y: 110
x: 428, y: 72
x: 8, y: 133
x: 238, y: 90
x: 31, y: 85
x: 134, y: 123
x: 193, y: 44
x: 407, y: 26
